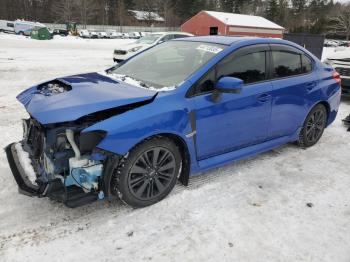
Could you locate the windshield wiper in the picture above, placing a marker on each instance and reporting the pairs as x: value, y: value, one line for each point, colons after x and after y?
x: 142, y: 84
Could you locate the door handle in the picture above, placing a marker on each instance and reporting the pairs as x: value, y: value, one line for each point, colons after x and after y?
x: 264, y: 98
x: 310, y: 85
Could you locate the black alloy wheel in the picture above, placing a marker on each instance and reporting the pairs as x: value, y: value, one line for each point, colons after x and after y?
x: 148, y: 173
x: 314, y: 126
x: 151, y: 173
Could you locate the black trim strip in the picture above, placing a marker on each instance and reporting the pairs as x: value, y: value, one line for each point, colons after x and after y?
x: 192, y: 116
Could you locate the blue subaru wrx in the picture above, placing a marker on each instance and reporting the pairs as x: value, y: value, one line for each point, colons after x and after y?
x: 182, y: 107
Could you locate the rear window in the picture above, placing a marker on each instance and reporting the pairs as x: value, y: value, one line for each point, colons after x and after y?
x: 286, y: 64
x: 306, y: 64
x: 180, y: 36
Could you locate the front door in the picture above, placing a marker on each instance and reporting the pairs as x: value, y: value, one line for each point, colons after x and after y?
x: 234, y: 121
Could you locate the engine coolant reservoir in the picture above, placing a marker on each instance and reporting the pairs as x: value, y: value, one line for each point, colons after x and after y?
x: 84, y: 173
x: 77, y: 163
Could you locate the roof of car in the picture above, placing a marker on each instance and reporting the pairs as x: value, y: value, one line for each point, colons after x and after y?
x: 229, y: 40
x: 169, y: 33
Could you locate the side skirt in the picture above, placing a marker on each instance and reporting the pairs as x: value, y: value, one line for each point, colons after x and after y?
x: 243, y: 153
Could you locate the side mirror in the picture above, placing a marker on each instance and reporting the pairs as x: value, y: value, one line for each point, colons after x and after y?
x: 229, y: 85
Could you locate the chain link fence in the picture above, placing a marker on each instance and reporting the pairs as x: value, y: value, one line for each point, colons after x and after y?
x: 122, y: 29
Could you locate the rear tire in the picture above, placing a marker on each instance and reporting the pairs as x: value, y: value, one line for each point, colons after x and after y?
x: 148, y: 173
x: 313, y: 127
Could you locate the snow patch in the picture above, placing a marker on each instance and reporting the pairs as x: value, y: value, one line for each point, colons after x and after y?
x: 25, y: 162
x: 243, y: 20
x: 147, y: 16
x: 131, y: 81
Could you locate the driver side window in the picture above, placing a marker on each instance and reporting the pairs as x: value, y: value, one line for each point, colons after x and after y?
x: 251, y: 68
x: 206, y: 84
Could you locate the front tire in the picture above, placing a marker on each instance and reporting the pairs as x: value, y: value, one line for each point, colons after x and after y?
x: 313, y: 127
x: 148, y: 173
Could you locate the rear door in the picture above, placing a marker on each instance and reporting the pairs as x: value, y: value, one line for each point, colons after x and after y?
x: 294, y: 85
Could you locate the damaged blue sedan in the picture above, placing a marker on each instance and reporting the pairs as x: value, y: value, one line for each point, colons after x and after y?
x: 172, y: 111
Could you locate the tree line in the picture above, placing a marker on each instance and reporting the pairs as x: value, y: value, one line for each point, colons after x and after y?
x: 308, y: 16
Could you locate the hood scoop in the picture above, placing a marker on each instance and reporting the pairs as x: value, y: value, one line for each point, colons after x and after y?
x: 54, y: 87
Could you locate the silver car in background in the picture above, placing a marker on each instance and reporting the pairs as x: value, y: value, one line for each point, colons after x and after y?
x: 126, y: 51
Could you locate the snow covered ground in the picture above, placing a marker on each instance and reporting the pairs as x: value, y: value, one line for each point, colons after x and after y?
x: 255, y: 210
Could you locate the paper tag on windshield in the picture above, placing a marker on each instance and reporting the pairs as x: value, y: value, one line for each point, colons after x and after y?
x: 208, y: 48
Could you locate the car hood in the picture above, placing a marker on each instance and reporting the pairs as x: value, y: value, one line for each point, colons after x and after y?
x: 130, y: 46
x: 69, y: 98
x: 341, y: 54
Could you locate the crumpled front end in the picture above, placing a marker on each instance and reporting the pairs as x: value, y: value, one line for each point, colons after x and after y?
x: 62, y: 163
x: 57, y: 158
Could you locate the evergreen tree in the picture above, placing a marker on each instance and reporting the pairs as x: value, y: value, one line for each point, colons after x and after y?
x: 272, y: 11
x: 298, y: 6
x: 129, y: 4
x: 186, y: 9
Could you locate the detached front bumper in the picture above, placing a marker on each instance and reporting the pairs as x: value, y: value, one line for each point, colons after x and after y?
x: 71, y: 196
x: 25, y: 185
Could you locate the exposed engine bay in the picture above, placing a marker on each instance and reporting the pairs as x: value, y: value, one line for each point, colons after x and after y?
x: 65, y: 161
x: 53, y: 88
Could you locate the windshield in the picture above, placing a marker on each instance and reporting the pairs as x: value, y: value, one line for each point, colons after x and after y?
x: 168, y: 64
x: 149, y: 39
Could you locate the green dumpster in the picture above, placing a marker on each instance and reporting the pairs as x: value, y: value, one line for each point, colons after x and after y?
x: 40, y: 33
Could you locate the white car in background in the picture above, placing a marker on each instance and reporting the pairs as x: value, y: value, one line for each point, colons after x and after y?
x: 7, y: 26
x: 23, y: 27
x: 84, y: 33
x: 134, y: 35
x: 115, y: 34
x: 126, y: 51
x: 94, y: 34
x: 102, y: 34
x: 125, y: 35
x: 340, y: 61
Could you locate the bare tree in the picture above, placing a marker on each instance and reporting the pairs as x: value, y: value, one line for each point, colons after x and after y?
x: 148, y: 6
x: 341, y: 23
x: 63, y: 10
x: 88, y: 10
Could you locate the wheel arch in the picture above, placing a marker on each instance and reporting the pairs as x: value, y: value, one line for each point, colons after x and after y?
x: 328, y: 108
x: 184, y: 151
x: 326, y: 105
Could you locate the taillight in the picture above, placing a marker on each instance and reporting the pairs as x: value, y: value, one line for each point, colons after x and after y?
x: 336, y: 77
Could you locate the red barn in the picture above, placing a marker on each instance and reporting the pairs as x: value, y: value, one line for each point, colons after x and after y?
x: 219, y: 23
